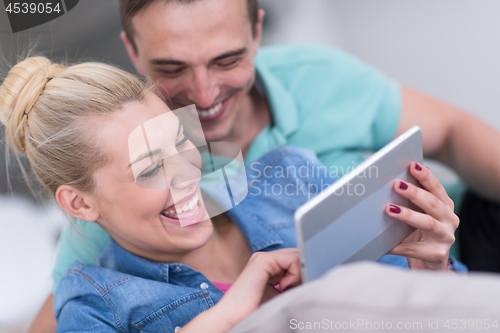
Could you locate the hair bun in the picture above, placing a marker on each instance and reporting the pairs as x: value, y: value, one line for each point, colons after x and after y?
x: 19, y: 92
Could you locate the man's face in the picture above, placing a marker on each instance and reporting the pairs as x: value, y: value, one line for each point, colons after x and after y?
x: 200, y: 53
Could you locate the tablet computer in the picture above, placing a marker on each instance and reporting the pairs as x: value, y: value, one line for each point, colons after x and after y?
x: 347, y: 221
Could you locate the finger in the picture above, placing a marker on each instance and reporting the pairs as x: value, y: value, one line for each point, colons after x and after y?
x: 292, y: 274
x: 275, y: 280
x: 431, y: 183
x: 290, y: 281
x: 427, y: 201
x: 279, y: 262
x: 433, y: 255
x: 260, y: 269
x: 269, y: 293
x: 421, y: 221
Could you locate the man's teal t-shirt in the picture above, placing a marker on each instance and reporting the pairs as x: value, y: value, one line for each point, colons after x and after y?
x: 320, y: 99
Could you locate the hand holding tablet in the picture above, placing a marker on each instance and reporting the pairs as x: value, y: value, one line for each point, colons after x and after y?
x: 429, y: 246
x: 371, y: 210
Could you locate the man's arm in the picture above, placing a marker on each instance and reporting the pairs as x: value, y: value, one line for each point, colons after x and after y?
x: 457, y: 139
x: 45, y: 321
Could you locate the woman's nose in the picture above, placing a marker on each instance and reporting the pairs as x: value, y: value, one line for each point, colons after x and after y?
x: 182, y: 170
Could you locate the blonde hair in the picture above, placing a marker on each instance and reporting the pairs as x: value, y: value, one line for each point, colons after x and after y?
x: 49, y: 111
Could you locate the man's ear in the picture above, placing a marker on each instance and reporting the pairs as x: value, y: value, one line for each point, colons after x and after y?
x: 258, y: 27
x: 131, y: 52
x: 76, y: 203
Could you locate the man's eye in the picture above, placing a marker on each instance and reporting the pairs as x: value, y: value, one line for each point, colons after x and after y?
x: 171, y: 72
x: 152, y: 171
x: 228, y: 63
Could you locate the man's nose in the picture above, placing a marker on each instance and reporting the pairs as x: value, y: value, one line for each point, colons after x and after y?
x: 204, y: 88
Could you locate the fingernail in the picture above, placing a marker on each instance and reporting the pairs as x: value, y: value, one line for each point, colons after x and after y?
x: 403, y: 185
x: 395, y: 209
x: 418, y: 167
x: 427, y: 167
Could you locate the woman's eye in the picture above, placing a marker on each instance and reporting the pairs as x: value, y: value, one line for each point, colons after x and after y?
x: 153, y: 172
x: 155, y: 169
x: 182, y: 143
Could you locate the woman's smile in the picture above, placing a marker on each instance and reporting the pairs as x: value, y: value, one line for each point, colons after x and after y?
x: 163, y: 216
x: 186, y: 212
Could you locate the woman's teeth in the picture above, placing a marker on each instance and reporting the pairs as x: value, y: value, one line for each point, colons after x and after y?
x: 187, y: 207
x: 210, y: 112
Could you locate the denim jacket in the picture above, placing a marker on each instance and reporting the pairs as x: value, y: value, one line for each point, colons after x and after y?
x: 127, y: 293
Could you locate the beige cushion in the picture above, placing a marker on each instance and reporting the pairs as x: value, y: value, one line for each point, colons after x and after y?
x: 365, y: 297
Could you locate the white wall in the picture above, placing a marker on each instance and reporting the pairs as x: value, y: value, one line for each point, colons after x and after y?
x: 27, y: 246
x: 448, y: 48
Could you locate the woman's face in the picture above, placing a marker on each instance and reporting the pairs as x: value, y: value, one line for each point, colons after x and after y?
x: 138, y: 212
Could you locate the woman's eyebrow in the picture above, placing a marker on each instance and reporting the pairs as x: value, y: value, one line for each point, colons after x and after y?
x: 146, y: 155
x: 154, y: 152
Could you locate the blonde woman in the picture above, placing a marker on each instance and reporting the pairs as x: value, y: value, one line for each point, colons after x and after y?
x: 73, y: 124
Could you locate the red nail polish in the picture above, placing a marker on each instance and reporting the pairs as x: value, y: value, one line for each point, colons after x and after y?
x: 418, y: 167
x: 403, y: 185
x: 395, y: 209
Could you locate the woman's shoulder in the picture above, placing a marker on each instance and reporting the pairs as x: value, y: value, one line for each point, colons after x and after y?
x: 105, y: 298
x: 86, y: 281
x: 100, y: 279
x: 82, y: 297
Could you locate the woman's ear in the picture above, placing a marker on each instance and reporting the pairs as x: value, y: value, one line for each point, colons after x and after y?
x: 76, y: 203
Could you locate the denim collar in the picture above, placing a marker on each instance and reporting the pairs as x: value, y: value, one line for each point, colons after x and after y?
x: 117, y: 258
x: 255, y: 228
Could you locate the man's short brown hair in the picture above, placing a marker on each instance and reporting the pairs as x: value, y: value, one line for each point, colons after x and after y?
x: 130, y: 8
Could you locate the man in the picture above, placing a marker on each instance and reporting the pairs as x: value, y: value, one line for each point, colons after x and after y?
x: 204, y: 52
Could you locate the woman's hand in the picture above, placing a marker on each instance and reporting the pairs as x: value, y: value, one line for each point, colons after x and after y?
x: 254, y: 286
x: 429, y: 246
